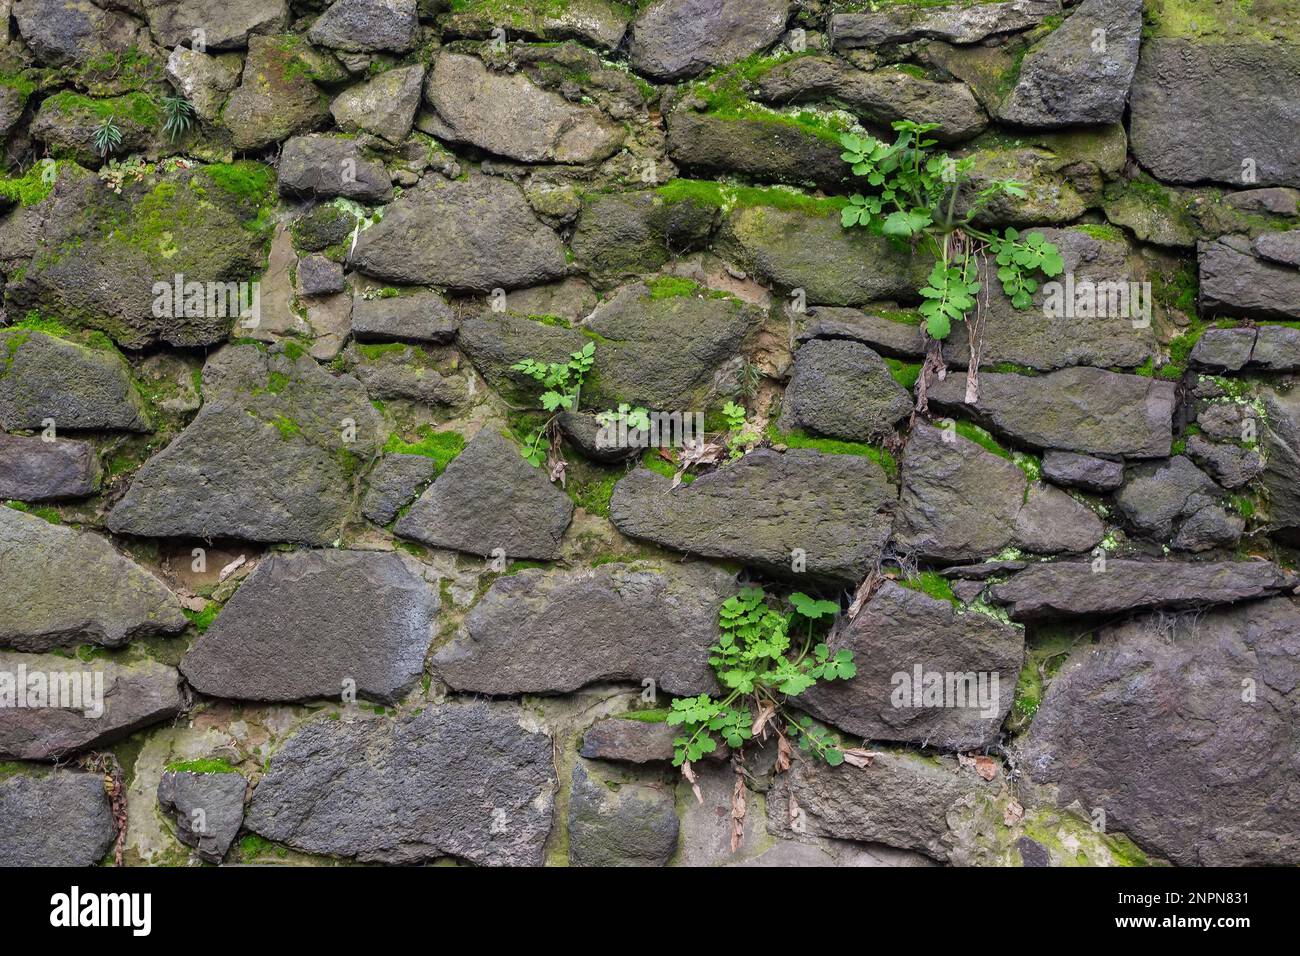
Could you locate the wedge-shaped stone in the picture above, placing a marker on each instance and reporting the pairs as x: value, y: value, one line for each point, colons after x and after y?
x: 542, y: 632
x: 1235, y: 281
x: 61, y: 588
x: 220, y: 797
x: 315, y: 624
x: 75, y: 386
x: 830, y: 513
x: 677, y: 38
x: 464, y: 781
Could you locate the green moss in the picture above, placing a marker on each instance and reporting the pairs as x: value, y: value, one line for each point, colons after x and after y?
x: 377, y: 350
x: 202, y: 620
x: 30, y: 188
x: 591, y: 487
x: 1011, y: 368
x: 1044, y: 656
x: 901, y: 316
x: 671, y: 287
x: 833, y: 446
x: 442, y: 447
x: 1180, y: 349
x: 207, y: 765
x: 728, y: 196
x: 286, y: 426
x: 1178, y: 289
x: 245, y: 179
x: 253, y: 846
x: 1220, y: 21
x: 554, y: 321
x: 1031, y: 465
x: 1244, y: 506
x: 932, y: 583
x: 905, y: 373
x: 656, y: 715
x: 1103, y: 232
x: 50, y: 515
x: 725, y: 96
x: 137, y: 108
x: 652, y: 460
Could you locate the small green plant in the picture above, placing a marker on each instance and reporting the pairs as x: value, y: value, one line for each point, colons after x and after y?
x: 636, y: 419
x: 915, y: 199
x: 760, y: 669
x: 562, y: 382
x: 741, y: 435
x: 178, y: 116
x: 106, y: 137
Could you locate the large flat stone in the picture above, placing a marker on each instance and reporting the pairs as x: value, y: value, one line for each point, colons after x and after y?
x: 75, y: 386
x: 960, y: 23
x: 54, y: 819
x: 1235, y: 282
x: 32, y: 469
x: 677, y: 38
x: 768, y: 150
x: 208, y: 807
x: 615, y: 821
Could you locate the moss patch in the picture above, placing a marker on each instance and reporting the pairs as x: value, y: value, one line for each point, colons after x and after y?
x: 933, y: 584
x: 208, y: 765
x: 834, y: 446
x: 728, y: 196
x: 442, y: 447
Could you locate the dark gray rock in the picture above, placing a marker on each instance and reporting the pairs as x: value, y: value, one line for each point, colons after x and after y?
x: 1067, y: 80
x: 1277, y: 348
x: 65, y: 32
x: 677, y: 38
x: 626, y: 234
x: 208, y: 807
x: 1157, y: 495
x: 509, y: 115
x: 367, y: 25
x: 1281, y: 441
x: 1087, y: 410
x: 205, y: 80
x: 1082, y: 471
x: 544, y: 632
x: 226, y: 26
x: 409, y: 372
x: 495, y: 341
x: 316, y: 624
x: 61, y: 588
x: 45, y: 377
x: 1208, y: 528
x: 1226, y: 350
x: 1066, y: 588
x: 463, y: 781
x: 598, y: 23
x: 276, y: 97
x: 902, y: 800
x: 586, y: 433
x: 112, y: 699
x: 953, y: 23
x: 900, y: 630
x: 491, y: 499
x: 32, y: 469
x: 627, y: 739
x: 1187, y: 125
x: 768, y: 510
x: 1230, y: 464
x: 418, y: 315
x: 384, y: 106
x: 268, y: 458
x: 54, y: 819
x: 474, y: 234
x: 961, y: 502
x: 323, y: 165
x: 1155, y: 724
x: 891, y: 334
x: 1226, y: 421
x: 394, y: 482
x: 983, y: 571
x: 1282, y: 247
x: 319, y: 276
x: 710, y: 143
x: 616, y: 822
x: 1273, y: 200
x: 1235, y: 282
x: 845, y: 390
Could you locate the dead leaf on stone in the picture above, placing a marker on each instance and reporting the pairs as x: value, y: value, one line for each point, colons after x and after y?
x: 1013, y: 813
x: 783, y: 752
x: 192, y: 602
x: 231, y: 568
x: 983, y: 765
x: 692, y: 779
x: 860, y: 758
x: 738, y: 811
x: 765, y: 713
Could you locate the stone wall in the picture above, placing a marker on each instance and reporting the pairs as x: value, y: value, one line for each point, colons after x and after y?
x: 266, y: 508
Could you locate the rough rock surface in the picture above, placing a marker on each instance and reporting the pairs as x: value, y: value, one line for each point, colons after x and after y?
x: 845, y: 390
x: 208, y: 807
x: 962, y: 502
x: 677, y: 38
x: 418, y: 316
x: 756, y: 147
x: 324, y: 165
x: 395, y: 481
x: 475, y: 234
x: 385, y: 106
x: 78, y: 387
x: 55, y: 819
x: 276, y: 97
x: 1236, y: 282
x: 1281, y: 440
x: 135, y: 695
x: 535, y: 632
x: 367, y: 25
x: 1082, y: 471
x: 895, y: 632
x: 490, y: 499
x: 32, y: 469
x: 1154, y: 725
x: 626, y: 234
x: 952, y: 23
x: 620, y: 823
x: 268, y: 458
x: 226, y: 27
x: 464, y: 781
x: 61, y: 588
x: 766, y: 510
x: 1062, y: 589
x: 629, y: 739
x: 1082, y: 409
x: 1156, y: 497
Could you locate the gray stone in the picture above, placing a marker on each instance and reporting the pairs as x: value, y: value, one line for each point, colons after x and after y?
x: 384, y: 106
x: 134, y: 695
x: 328, y: 165
x: 507, y: 114
x: 676, y: 38
x: 474, y: 235
x: 1051, y: 186
x: 626, y: 234
x: 276, y: 98
x: 1065, y: 80
x: 961, y: 502
x: 316, y: 623
x: 71, y: 32
x: 418, y: 315
x: 204, y: 80
x: 1281, y: 440
x: 265, y: 459
x: 834, y: 509
x: 897, y: 335
x: 545, y: 632
x: 54, y: 819
x: 1087, y: 410
x: 1082, y: 471
x: 776, y: 152
x: 1231, y: 465
x: 1187, y: 124
x: 79, y: 387
x: 367, y: 25
x: 617, y: 822
x: 1277, y: 348
x: 490, y: 498
x: 409, y: 372
x: 1235, y: 282
x: 1273, y: 200
x: 61, y: 588
x: 394, y: 482
x: 898, y: 630
x: 1226, y: 421
x: 225, y: 26
x: 319, y: 276
x: 1067, y: 588
x: 598, y: 23
x: 456, y: 780
x: 1226, y: 350
x: 902, y: 800
x: 32, y: 469
x: 588, y: 435
x: 495, y: 341
x: 629, y: 739
x: 953, y: 23
x: 1152, y: 725
x: 219, y: 797
x: 845, y: 390
x: 1157, y: 495
x: 1283, y: 247
x: 1208, y: 528
x: 67, y: 127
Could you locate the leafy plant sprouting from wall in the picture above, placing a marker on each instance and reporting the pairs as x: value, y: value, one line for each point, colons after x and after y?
x: 178, y: 116
x: 914, y: 199
x: 763, y: 658
x: 106, y: 137
x: 562, y: 384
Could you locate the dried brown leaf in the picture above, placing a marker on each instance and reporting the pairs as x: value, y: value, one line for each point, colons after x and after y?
x: 860, y: 758
x: 689, y: 773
